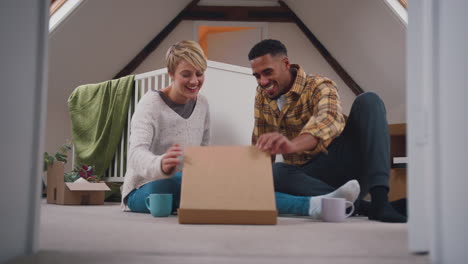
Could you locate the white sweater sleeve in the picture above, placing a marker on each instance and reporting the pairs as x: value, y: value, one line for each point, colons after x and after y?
x: 142, y: 161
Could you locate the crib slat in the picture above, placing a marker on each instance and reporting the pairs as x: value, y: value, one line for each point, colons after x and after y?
x: 152, y: 73
x: 158, y: 86
x: 168, y: 80
x: 149, y: 84
x: 115, y: 164
x: 128, y: 129
x: 137, y: 84
x: 121, y: 154
x: 73, y: 156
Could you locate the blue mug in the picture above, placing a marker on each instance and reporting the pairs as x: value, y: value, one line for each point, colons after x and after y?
x: 159, y: 204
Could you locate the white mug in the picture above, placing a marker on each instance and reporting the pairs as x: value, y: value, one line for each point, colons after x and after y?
x: 334, y: 209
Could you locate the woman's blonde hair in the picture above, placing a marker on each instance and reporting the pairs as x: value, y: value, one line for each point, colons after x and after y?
x: 188, y: 50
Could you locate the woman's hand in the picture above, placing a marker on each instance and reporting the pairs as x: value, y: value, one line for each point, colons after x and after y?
x: 171, y: 159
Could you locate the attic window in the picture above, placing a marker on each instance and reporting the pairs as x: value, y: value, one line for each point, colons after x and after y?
x: 60, y: 10
x: 399, y: 8
x: 404, y: 3
x: 55, y: 5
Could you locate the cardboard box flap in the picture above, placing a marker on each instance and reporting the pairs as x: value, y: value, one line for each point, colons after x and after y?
x: 81, y: 186
x: 237, y: 178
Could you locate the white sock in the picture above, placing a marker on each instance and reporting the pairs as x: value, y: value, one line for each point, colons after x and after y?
x: 349, y: 191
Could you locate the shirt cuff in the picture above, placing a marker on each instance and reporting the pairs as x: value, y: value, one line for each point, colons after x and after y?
x: 158, y: 168
x: 320, y: 147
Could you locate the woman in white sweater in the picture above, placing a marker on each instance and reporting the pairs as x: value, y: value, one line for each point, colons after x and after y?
x: 163, y: 124
x: 167, y: 121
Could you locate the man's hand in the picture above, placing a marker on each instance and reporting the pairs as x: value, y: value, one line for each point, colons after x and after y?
x: 171, y: 159
x: 275, y: 143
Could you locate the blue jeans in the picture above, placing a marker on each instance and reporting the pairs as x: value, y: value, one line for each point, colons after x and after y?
x: 136, y: 198
x: 285, y: 203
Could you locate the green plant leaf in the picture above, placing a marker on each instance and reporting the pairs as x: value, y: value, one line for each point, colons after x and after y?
x: 61, y: 157
x: 71, y: 176
x: 65, y: 147
x: 48, y: 160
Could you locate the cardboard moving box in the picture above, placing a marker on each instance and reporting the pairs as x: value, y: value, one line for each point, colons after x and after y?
x: 72, y: 193
x: 227, y: 185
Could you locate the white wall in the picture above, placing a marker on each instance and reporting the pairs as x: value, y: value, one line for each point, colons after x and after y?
x: 421, y: 127
x: 233, y: 47
x: 231, y: 103
x: 300, y: 51
x: 438, y: 126
x: 156, y: 60
x: 368, y: 40
x: 23, y: 27
x: 451, y: 116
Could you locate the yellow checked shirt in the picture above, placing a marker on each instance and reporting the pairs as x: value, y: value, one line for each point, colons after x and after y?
x: 312, y: 106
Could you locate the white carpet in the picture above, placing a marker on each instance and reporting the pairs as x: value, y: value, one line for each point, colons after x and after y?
x: 104, y: 234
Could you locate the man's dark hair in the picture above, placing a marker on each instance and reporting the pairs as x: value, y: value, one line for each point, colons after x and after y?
x: 267, y: 46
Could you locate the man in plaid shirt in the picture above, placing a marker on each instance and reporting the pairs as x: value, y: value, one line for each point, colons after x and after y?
x: 300, y: 116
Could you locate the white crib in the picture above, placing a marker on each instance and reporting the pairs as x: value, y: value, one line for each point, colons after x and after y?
x: 154, y: 80
x: 231, y: 125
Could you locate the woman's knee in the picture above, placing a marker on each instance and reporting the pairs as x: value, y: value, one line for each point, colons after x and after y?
x: 164, y: 186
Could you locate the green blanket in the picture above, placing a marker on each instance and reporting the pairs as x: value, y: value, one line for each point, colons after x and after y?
x: 99, y: 114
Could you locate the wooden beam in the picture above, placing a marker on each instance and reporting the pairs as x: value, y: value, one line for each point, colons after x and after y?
x: 239, y: 13
x: 357, y: 90
x: 154, y: 43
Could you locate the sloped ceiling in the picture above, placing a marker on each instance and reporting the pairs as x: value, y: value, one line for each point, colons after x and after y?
x: 368, y: 40
x: 116, y: 29
x: 100, y: 37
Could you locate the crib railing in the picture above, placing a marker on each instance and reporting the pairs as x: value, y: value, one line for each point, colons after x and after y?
x: 154, y: 80
x: 144, y: 82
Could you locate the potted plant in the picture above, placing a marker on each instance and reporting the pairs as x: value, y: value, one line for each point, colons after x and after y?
x: 60, y: 156
x: 84, y: 171
x: 78, y: 187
